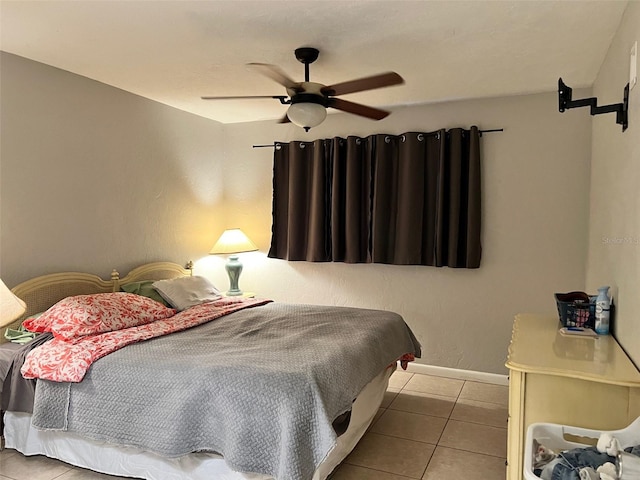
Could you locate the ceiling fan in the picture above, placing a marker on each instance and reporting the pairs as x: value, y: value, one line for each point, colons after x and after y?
x: 308, y: 101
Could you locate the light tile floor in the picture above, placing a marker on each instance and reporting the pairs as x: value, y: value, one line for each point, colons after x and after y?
x: 433, y: 428
x: 428, y: 428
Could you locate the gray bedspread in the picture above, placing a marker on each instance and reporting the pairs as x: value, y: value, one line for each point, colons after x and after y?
x: 260, y: 386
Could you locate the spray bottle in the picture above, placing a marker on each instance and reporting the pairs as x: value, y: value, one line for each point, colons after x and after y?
x: 603, y: 309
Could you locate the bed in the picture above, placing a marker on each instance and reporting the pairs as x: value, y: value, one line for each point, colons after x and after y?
x: 264, y: 390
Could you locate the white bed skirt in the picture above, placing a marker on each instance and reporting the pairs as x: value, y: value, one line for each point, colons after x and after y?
x: 133, y: 462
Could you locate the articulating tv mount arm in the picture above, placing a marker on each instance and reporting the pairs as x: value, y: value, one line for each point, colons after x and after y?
x: 621, y: 109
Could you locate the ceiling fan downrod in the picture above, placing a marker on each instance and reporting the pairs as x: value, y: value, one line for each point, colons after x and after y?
x: 306, y: 55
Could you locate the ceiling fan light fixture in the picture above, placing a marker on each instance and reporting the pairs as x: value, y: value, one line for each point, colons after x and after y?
x: 307, y: 115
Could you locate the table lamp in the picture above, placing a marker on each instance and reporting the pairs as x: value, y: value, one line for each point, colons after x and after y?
x: 11, y: 307
x: 232, y: 242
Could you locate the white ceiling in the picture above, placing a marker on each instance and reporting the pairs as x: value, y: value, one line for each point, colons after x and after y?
x: 176, y: 51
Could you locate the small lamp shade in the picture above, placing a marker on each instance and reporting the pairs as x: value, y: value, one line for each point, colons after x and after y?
x: 11, y: 307
x: 232, y: 242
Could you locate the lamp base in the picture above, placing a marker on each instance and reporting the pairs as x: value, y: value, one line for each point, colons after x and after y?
x: 234, y: 268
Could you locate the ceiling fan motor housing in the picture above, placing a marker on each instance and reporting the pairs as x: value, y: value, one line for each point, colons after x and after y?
x: 310, y: 98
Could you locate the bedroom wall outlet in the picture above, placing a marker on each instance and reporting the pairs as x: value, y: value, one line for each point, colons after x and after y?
x: 633, y: 65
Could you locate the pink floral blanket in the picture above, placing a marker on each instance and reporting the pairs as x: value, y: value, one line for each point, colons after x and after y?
x: 61, y: 360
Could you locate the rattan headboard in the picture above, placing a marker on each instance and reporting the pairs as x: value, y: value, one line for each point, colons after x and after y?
x: 42, y: 292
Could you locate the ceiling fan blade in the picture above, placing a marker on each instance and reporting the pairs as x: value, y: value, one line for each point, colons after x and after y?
x: 274, y: 73
x: 240, y: 97
x: 357, y: 109
x: 361, y: 84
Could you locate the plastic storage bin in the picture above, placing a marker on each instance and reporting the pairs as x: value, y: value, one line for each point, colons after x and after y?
x: 552, y: 436
x: 576, y: 309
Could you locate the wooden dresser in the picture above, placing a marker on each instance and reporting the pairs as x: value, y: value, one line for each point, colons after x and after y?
x: 576, y: 381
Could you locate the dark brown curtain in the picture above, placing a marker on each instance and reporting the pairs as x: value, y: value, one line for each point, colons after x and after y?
x: 412, y: 199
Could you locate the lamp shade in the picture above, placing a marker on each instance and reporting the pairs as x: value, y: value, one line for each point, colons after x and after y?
x: 307, y: 115
x: 233, y: 241
x: 11, y: 307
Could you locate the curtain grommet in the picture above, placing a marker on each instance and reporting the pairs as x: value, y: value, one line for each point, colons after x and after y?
x: 420, y: 137
x: 358, y: 141
x: 302, y: 145
x: 278, y: 146
x: 387, y: 139
x: 403, y: 138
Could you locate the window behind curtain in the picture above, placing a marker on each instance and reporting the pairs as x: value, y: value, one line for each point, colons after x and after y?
x: 412, y: 199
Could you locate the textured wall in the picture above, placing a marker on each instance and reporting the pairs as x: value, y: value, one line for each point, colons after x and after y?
x: 614, y: 233
x: 93, y: 177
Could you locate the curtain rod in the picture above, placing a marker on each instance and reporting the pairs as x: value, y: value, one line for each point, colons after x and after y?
x: 480, y: 131
x: 492, y: 130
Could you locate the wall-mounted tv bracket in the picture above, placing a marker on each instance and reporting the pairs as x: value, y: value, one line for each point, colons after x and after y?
x: 621, y: 109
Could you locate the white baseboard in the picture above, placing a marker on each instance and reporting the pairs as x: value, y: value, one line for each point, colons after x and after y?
x: 482, y: 377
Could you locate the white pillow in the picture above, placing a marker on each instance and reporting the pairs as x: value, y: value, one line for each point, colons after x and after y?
x: 185, y: 292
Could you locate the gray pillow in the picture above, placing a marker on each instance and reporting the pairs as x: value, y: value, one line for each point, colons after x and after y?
x: 185, y: 292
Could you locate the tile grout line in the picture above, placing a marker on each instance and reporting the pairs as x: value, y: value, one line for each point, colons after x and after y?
x: 475, y: 453
x: 424, y: 472
x: 382, y: 471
